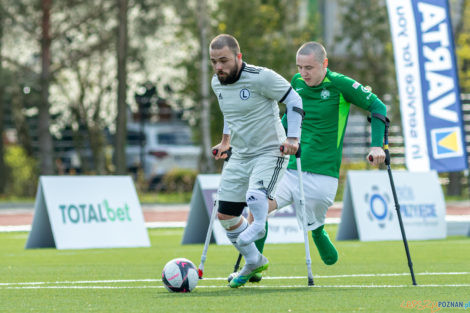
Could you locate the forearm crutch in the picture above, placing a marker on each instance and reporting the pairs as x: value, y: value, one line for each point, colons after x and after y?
x: 308, y: 259
x: 211, y: 222
x: 386, y: 121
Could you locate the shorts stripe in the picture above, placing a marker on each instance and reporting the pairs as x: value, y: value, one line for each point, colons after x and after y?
x: 272, y: 183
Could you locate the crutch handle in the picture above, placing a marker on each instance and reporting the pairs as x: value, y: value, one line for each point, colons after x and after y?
x: 227, y: 152
x: 387, y: 157
x: 297, y: 154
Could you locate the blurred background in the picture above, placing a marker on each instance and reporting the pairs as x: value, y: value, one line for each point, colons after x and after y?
x: 123, y: 86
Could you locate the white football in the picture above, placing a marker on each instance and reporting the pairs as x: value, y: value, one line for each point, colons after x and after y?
x: 180, y: 275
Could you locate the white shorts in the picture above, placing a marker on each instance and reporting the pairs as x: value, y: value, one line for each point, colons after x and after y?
x: 319, y: 191
x: 263, y: 172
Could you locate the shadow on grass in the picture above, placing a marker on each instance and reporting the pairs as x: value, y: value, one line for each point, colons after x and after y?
x: 249, y: 292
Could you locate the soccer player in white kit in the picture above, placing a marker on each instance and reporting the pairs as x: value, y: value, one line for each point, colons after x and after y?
x: 248, y: 98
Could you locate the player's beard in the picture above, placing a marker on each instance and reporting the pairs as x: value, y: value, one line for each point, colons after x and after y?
x: 231, y: 77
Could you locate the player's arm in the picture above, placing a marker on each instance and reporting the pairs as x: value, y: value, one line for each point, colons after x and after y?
x: 224, y: 144
x: 378, y: 129
x: 274, y: 86
x: 363, y: 97
x: 295, y: 113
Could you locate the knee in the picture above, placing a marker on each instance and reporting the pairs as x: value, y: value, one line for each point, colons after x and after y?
x: 229, y: 222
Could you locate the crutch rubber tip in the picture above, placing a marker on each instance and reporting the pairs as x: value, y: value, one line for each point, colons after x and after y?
x: 310, y: 282
x: 200, y: 273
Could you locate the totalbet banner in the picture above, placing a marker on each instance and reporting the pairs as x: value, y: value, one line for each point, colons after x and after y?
x: 428, y: 85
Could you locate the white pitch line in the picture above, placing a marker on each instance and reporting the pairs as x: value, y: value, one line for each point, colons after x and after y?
x: 225, y: 278
x: 251, y: 286
x: 84, y: 282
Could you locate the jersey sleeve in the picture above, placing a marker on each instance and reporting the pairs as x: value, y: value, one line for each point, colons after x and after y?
x: 354, y: 92
x: 272, y: 85
x: 361, y: 96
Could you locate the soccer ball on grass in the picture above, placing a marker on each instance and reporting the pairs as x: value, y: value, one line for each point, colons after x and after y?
x: 180, y: 275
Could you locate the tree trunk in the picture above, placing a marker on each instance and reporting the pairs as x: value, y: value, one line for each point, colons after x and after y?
x: 121, y: 127
x: 207, y: 162
x: 454, y: 188
x: 45, y: 139
x: 2, y: 105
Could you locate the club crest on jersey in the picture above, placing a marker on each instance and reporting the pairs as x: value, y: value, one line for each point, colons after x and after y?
x: 325, y: 94
x: 244, y: 94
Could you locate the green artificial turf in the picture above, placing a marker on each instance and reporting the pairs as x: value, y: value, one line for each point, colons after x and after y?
x: 128, y: 280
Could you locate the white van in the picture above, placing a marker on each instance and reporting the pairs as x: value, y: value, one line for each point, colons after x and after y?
x: 166, y: 146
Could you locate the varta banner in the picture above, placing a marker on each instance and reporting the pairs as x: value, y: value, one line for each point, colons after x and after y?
x: 428, y: 85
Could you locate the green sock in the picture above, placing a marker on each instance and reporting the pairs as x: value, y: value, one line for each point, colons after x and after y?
x: 260, y: 242
x: 325, y: 247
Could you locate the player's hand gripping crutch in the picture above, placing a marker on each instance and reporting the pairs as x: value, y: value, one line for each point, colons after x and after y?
x: 386, y: 121
x: 211, y: 222
x: 308, y: 259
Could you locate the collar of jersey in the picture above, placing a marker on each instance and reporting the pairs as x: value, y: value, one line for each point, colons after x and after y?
x: 239, y: 73
x: 326, y: 79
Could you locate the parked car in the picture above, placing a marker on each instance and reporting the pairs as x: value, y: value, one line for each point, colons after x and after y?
x: 166, y: 146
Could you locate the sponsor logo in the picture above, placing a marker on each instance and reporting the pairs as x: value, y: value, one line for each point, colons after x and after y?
x: 325, y: 94
x: 298, y: 89
x: 366, y: 89
x: 86, y: 213
x: 220, y: 96
x: 244, y: 94
x: 446, y: 142
x: 379, y: 211
x: 356, y: 85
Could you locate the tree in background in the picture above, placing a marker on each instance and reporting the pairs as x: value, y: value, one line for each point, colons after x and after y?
x: 363, y: 48
x: 462, y: 46
x: 33, y: 35
x: 462, y: 35
x: 121, y: 121
x: 207, y: 164
x: 2, y: 105
x: 46, y: 150
x: 269, y: 35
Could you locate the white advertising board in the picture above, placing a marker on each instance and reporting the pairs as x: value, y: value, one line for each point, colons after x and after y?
x: 282, y: 227
x: 369, y: 211
x: 81, y: 212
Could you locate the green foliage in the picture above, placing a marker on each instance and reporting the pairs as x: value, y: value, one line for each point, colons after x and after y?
x: 21, y: 172
x: 368, y: 56
x: 179, y: 180
x: 268, y: 34
x: 165, y: 198
x: 463, y: 49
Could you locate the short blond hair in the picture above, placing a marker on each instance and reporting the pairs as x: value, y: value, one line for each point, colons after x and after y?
x: 314, y: 48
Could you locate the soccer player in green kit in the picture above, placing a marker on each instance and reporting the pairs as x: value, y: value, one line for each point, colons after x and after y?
x: 326, y: 98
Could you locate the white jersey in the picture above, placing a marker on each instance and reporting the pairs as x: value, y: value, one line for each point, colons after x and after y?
x: 250, y: 108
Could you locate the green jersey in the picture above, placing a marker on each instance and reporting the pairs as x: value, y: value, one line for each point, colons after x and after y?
x: 326, y: 109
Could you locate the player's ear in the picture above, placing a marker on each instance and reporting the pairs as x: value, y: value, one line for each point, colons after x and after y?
x: 325, y: 63
x: 239, y: 56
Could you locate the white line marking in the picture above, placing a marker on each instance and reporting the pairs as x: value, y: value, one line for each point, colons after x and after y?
x: 225, y: 278
x: 248, y: 286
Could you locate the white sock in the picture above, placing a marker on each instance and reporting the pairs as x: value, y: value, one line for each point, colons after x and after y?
x: 249, y: 252
x: 257, y: 201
